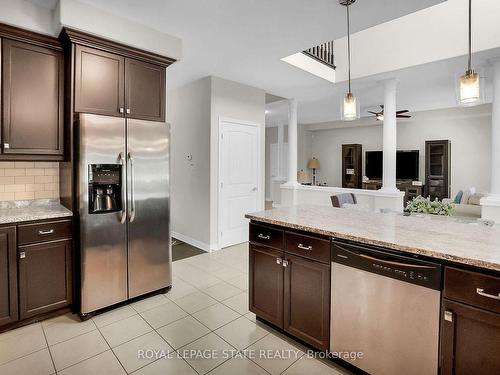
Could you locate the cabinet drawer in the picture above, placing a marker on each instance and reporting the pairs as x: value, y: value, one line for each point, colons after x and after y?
x: 310, y: 247
x: 472, y: 288
x: 41, y: 232
x: 266, y: 236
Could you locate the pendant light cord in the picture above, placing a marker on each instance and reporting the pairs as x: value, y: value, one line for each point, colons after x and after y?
x: 470, y: 35
x: 349, y: 46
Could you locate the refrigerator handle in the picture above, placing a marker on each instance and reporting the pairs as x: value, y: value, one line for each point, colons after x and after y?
x: 132, y: 188
x: 121, y: 157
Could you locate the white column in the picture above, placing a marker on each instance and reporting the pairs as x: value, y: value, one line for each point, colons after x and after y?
x: 491, y: 205
x: 389, y: 137
x: 292, y: 143
x: 281, y: 151
x: 495, y: 132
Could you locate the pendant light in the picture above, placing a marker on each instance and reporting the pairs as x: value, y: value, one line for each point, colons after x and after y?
x: 350, y: 105
x: 470, y: 90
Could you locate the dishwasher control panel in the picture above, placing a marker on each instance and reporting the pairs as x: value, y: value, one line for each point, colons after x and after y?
x: 405, y: 268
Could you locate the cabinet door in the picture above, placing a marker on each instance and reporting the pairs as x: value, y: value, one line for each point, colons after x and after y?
x: 45, y: 277
x: 266, y: 284
x: 145, y: 90
x: 307, y: 301
x: 33, y: 97
x: 470, y: 340
x: 99, y: 82
x: 8, y: 276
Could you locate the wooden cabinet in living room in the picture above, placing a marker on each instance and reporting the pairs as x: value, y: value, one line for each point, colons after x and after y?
x: 8, y: 276
x: 33, y: 101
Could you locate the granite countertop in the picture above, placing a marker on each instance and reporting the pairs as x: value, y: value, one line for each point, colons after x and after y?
x: 437, y: 237
x: 39, y: 209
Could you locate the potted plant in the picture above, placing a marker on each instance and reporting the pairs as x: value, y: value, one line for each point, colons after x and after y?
x: 426, y: 206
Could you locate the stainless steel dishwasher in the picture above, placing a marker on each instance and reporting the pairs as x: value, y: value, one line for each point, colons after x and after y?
x: 386, y: 306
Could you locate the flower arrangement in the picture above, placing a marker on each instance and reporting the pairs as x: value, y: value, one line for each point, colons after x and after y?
x: 426, y: 206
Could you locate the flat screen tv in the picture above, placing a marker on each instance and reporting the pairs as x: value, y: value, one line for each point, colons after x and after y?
x: 407, y: 165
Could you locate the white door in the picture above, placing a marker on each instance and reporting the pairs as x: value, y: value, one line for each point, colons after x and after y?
x: 239, y: 162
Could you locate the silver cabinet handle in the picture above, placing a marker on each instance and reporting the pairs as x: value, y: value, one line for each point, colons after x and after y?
x: 487, y: 295
x: 123, y: 216
x: 278, y: 260
x: 128, y: 111
x: 122, y: 110
x: 285, y: 263
x: 132, y: 188
x: 264, y: 237
x: 45, y: 232
x: 22, y: 255
x: 302, y: 247
x: 448, y: 316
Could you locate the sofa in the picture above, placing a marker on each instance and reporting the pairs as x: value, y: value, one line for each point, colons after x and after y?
x: 468, y: 203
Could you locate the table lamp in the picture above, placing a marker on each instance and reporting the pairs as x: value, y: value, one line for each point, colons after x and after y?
x: 313, y: 164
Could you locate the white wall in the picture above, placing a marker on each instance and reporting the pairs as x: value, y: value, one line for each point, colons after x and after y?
x: 240, y: 102
x: 27, y: 15
x: 468, y: 129
x: 194, y: 111
x: 85, y: 17
x: 189, y: 115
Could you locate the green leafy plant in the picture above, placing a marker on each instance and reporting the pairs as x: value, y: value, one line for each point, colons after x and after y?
x: 426, y: 206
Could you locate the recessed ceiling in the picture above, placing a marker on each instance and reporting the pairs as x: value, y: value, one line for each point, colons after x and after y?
x: 49, y: 4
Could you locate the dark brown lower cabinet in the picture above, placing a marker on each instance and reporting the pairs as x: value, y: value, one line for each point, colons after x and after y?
x: 470, y: 340
x: 44, y: 277
x: 8, y: 276
x: 266, y: 284
x: 292, y: 292
x: 307, y: 301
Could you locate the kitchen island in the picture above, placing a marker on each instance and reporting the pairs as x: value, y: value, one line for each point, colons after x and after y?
x: 448, y: 313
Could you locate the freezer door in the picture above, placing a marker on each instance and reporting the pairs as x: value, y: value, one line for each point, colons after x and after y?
x: 103, y: 245
x: 149, y: 251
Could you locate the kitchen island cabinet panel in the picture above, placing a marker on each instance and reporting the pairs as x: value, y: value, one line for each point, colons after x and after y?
x: 266, y: 284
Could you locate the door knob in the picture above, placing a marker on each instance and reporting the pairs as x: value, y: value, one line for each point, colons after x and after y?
x: 255, y: 188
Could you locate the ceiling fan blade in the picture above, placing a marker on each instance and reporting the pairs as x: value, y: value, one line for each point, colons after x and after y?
x: 373, y: 113
x: 403, y: 111
x: 403, y: 116
x: 382, y: 106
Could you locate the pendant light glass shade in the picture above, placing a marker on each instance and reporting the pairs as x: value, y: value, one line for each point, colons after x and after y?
x: 470, y: 90
x: 350, y: 108
x: 350, y: 105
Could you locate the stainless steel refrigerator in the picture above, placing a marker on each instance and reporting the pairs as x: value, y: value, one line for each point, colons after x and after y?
x: 123, y: 193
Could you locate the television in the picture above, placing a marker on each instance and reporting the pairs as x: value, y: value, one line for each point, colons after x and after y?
x: 407, y: 165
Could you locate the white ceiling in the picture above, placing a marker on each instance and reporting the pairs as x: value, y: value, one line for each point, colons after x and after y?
x: 244, y: 40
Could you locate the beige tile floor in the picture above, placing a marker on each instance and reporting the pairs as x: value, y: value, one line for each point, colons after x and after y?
x: 206, y: 310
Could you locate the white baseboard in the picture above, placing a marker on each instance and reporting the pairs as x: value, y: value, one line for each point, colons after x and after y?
x: 191, y: 241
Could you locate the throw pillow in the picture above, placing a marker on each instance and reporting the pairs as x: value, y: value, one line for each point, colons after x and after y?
x: 475, y: 199
x: 458, y: 197
x: 465, y: 197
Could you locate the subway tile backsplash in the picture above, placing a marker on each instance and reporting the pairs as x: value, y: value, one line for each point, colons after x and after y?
x: 28, y: 180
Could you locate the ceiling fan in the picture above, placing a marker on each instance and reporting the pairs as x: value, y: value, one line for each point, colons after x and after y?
x: 380, y: 115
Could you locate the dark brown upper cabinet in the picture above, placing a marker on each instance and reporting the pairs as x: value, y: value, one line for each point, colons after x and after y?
x: 8, y: 276
x: 111, y: 84
x: 33, y: 101
x: 99, y: 82
x: 145, y: 90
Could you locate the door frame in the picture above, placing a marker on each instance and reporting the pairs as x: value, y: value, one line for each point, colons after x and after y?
x: 260, y: 187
